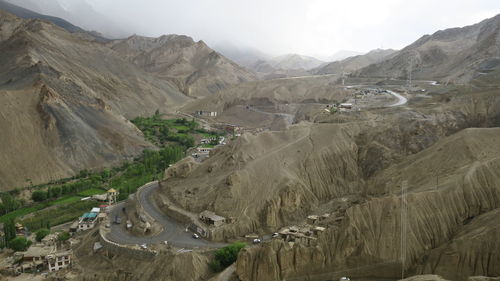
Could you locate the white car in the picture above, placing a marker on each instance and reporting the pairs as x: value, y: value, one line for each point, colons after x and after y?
x: 144, y: 246
x: 275, y: 235
x: 256, y: 241
x: 196, y: 236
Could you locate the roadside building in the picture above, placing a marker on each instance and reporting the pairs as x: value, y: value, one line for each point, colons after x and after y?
x: 87, y: 221
x: 346, y: 105
x: 203, y: 150
x: 211, y: 218
x: 112, y: 196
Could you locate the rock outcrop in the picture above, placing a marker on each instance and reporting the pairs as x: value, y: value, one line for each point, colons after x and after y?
x: 446, y: 229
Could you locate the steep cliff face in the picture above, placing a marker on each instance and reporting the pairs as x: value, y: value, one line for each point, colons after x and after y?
x: 65, y: 101
x: 271, y: 179
x: 369, y: 237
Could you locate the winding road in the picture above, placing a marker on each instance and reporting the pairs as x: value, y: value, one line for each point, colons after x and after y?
x: 173, y: 231
x: 401, y: 100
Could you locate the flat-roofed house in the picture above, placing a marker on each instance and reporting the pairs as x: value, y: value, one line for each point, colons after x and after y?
x: 211, y: 218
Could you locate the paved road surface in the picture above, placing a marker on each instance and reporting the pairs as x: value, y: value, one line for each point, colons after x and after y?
x: 173, y: 232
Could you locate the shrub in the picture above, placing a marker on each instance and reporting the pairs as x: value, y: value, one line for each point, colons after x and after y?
x: 63, y: 236
x: 39, y: 195
x: 41, y: 233
x: 226, y: 256
x: 19, y: 244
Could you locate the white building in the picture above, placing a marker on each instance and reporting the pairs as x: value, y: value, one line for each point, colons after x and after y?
x: 59, y: 260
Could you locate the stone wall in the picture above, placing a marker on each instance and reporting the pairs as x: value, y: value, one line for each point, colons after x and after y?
x: 124, y: 250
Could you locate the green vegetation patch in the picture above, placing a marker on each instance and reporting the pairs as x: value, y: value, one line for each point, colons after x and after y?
x: 58, y: 215
x: 91, y: 191
x: 226, y: 256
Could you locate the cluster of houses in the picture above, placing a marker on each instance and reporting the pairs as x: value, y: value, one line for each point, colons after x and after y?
x: 90, y: 219
x: 306, y: 234
x: 45, y: 255
x: 203, y: 151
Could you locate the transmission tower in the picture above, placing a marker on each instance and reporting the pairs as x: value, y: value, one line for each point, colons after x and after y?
x: 404, y: 226
x: 410, y: 69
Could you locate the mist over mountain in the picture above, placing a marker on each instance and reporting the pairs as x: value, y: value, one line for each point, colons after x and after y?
x: 78, y: 12
x: 354, y: 63
x: 340, y: 55
x: 243, y: 55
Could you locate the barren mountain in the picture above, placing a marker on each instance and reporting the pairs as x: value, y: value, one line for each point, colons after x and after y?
x: 193, y: 66
x: 294, y: 61
x: 66, y: 101
x: 354, y: 63
x: 242, y: 55
x: 341, y: 55
x: 455, y: 54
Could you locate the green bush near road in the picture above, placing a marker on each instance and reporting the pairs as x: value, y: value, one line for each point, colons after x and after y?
x: 226, y: 256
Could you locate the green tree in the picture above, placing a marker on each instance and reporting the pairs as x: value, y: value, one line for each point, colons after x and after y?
x: 10, y: 204
x: 9, y: 230
x: 19, y: 244
x: 41, y: 233
x: 39, y: 195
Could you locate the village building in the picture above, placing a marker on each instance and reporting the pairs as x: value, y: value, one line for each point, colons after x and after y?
x: 204, y: 150
x: 206, y: 113
x: 59, y: 260
x: 211, y: 218
x: 34, y: 258
x: 38, y: 258
x: 312, y: 219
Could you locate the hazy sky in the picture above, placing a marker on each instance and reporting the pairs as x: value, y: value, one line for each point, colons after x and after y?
x: 310, y: 27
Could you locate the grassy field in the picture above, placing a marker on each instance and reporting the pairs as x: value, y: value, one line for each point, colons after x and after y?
x: 65, y: 200
x: 92, y: 191
x: 17, y: 213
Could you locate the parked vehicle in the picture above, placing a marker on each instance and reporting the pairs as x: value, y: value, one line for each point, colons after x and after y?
x: 275, y: 235
x: 196, y: 236
x: 144, y: 246
x: 118, y: 220
x: 256, y: 241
